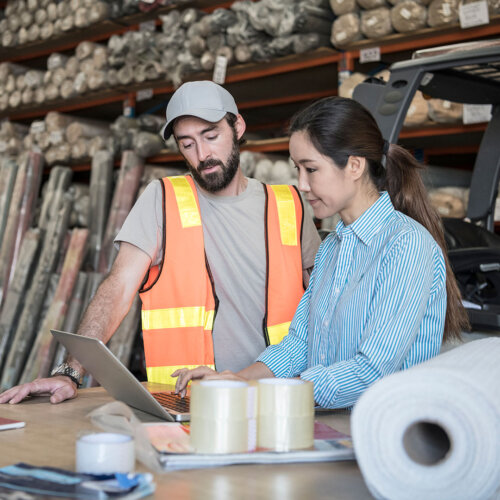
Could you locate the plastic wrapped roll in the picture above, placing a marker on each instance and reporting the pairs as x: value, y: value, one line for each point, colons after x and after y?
x: 346, y: 29
x: 80, y: 83
x: 33, y: 32
x: 27, y: 96
x: 442, y: 12
x: 432, y: 431
x: 408, y: 16
x: 26, y: 18
x: 68, y: 23
x: 447, y: 204
x: 371, y: 4
x: 47, y: 31
x: 376, y: 23
x: 67, y: 89
x: 346, y: 88
x: 99, y: 11
x: 340, y: 7
x: 443, y: 111
x: 72, y: 67
x: 418, y: 111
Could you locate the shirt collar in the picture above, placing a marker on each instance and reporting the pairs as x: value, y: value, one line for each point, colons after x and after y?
x: 370, y: 222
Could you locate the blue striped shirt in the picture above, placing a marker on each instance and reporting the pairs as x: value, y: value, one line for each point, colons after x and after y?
x: 375, y: 304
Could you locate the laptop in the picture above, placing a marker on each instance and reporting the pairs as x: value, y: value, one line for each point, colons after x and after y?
x: 109, y: 371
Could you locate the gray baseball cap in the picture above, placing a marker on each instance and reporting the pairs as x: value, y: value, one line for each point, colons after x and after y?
x: 203, y: 99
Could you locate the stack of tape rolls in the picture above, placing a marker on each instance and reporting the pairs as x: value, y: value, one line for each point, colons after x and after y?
x: 285, y: 414
x: 105, y: 453
x: 222, y: 416
x: 433, y: 431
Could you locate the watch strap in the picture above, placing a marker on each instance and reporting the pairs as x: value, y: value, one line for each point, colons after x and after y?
x: 68, y: 371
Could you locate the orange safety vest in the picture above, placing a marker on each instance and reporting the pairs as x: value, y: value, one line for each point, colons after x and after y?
x: 178, y: 298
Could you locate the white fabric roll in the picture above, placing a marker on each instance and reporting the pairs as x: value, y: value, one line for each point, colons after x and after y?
x: 433, y: 431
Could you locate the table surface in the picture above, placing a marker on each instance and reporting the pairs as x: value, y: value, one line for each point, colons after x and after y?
x: 51, y: 431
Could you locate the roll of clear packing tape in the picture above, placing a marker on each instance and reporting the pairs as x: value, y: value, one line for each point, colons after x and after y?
x: 105, y: 453
x: 221, y: 416
x: 285, y: 414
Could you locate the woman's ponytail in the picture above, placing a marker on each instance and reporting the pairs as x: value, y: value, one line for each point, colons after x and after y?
x: 404, y: 184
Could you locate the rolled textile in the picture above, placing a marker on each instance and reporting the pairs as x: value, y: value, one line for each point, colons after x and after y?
x: 376, y: 23
x: 442, y: 12
x: 346, y: 29
x: 371, y: 4
x: 346, y: 88
x: 340, y: 7
x: 408, y: 16
x: 417, y: 112
x: 443, y: 111
x: 433, y: 431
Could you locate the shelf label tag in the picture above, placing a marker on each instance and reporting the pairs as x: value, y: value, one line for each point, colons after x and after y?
x: 147, y: 26
x: 473, y: 14
x: 371, y: 54
x: 219, y: 75
x: 476, y: 113
x: 144, y: 94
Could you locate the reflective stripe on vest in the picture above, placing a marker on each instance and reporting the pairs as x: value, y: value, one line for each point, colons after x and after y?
x: 178, y: 309
x: 284, y: 281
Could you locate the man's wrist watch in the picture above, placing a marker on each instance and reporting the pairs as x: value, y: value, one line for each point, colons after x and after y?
x: 68, y: 371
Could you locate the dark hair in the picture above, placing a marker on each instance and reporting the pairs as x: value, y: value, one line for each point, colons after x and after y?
x: 231, y: 120
x: 339, y: 128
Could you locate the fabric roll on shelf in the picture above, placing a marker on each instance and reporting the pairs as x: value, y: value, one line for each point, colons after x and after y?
x: 433, y: 431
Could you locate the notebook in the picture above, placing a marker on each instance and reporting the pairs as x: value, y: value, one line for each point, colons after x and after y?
x: 107, y: 369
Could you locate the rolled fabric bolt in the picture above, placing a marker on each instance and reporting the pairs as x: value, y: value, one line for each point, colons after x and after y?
x: 221, y: 415
x: 285, y: 414
x: 105, y: 453
x: 433, y: 431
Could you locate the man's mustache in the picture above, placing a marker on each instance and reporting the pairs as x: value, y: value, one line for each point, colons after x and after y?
x: 203, y: 165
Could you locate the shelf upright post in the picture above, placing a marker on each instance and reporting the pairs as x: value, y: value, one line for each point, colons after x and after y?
x: 345, y: 66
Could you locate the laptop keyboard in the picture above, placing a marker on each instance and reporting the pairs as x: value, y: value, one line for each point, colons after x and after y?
x: 173, y: 402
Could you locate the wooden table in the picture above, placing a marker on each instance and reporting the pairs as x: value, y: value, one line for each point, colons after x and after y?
x: 50, y: 435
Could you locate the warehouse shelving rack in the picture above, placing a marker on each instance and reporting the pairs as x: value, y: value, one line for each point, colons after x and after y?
x: 267, y: 93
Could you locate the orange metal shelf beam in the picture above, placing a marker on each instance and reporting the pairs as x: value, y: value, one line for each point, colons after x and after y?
x: 409, y: 133
x: 427, y: 37
x: 286, y: 100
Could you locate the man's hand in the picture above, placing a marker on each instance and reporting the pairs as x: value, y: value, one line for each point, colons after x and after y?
x: 185, y: 375
x: 60, y: 388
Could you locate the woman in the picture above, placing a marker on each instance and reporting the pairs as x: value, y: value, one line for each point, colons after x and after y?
x: 382, y: 295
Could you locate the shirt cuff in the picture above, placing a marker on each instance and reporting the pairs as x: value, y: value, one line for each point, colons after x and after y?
x: 325, y: 388
x: 277, y: 360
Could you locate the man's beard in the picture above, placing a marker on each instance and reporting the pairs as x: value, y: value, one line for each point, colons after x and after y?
x: 216, y: 181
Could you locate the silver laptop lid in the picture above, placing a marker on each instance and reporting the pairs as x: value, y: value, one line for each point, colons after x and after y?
x: 107, y: 369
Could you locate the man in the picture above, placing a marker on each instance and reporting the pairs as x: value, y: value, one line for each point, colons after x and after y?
x: 220, y: 260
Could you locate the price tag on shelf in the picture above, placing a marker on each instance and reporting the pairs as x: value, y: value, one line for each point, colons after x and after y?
x: 473, y: 14
x: 371, y: 54
x: 147, y: 26
x: 220, y: 67
x: 476, y: 113
x: 144, y: 94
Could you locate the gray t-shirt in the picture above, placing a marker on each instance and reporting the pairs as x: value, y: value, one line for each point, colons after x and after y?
x: 233, y: 229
